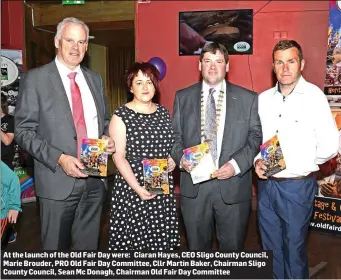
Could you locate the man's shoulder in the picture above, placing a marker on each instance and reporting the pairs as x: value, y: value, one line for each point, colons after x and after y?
x: 241, y: 90
x: 267, y: 92
x: 310, y: 87
x: 90, y: 72
x: 192, y: 89
x: 44, y: 69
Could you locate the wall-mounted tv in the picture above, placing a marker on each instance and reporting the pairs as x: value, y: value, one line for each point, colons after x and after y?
x: 231, y: 28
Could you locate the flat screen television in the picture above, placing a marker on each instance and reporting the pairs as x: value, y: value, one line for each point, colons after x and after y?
x: 231, y: 28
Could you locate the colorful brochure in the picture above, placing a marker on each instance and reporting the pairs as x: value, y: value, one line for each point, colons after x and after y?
x: 272, y: 156
x: 94, y: 157
x: 156, y: 176
x: 203, y: 166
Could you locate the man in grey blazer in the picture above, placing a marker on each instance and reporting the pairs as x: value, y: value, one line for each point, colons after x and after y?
x: 46, y: 127
x: 234, y: 143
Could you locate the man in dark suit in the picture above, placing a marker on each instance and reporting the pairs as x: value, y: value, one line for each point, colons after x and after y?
x: 58, y: 105
x: 227, y: 116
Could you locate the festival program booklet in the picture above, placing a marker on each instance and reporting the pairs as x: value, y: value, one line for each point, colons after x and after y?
x: 156, y: 176
x: 272, y: 156
x: 94, y: 157
x: 203, y: 166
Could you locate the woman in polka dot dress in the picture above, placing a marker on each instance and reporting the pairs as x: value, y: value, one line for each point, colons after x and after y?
x: 141, y: 130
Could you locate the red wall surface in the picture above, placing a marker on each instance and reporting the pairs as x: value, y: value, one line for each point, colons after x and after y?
x: 304, y: 21
x: 12, y: 25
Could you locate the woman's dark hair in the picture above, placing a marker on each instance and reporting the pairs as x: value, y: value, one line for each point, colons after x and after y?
x: 4, y: 104
x: 148, y: 70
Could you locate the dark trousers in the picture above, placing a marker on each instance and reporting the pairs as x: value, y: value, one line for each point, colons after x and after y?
x: 75, y: 220
x: 284, y: 213
x: 199, y: 214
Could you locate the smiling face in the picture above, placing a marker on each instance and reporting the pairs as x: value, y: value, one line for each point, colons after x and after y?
x: 72, y: 45
x: 213, y: 67
x: 143, y: 88
x: 288, y: 67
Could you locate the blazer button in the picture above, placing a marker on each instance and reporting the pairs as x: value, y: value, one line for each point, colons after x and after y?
x: 75, y: 137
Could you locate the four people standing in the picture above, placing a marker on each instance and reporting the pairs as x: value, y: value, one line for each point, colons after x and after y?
x: 214, y: 110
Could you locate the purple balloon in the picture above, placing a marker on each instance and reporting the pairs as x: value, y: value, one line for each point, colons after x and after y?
x: 160, y: 66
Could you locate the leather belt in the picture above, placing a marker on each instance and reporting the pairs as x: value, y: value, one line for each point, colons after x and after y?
x: 293, y: 178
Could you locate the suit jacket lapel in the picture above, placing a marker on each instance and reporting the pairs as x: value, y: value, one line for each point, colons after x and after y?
x: 230, y: 111
x: 96, y: 92
x: 196, y: 99
x: 60, y: 92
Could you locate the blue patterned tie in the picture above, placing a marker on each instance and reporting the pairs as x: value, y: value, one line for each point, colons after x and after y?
x: 210, y: 124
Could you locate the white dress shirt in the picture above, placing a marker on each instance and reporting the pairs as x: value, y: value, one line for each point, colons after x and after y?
x: 89, y: 107
x: 304, y: 125
x: 206, y: 87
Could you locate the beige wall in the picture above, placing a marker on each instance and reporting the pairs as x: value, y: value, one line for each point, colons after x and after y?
x: 98, y: 60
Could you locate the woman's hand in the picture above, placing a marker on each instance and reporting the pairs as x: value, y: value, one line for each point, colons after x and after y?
x: 171, y: 164
x: 144, y: 194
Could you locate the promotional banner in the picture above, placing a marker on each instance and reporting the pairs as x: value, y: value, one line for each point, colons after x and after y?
x: 327, y: 205
x: 332, y: 84
x: 11, y: 70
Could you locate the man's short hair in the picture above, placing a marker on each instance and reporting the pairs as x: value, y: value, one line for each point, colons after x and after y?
x: 213, y: 48
x: 287, y: 44
x: 67, y: 20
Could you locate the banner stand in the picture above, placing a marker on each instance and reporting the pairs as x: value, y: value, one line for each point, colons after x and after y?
x: 11, y: 72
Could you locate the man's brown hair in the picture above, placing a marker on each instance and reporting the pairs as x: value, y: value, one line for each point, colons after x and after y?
x: 213, y: 48
x: 287, y: 44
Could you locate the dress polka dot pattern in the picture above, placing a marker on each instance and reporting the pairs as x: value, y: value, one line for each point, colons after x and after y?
x: 150, y: 224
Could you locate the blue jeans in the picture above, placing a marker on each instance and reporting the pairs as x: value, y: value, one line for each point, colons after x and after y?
x: 284, y: 213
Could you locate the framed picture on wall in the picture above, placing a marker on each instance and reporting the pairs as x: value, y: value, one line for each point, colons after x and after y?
x: 231, y: 28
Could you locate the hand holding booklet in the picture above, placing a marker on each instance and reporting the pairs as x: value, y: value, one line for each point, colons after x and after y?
x: 272, y: 156
x: 156, y: 176
x: 203, y: 167
x: 94, y: 157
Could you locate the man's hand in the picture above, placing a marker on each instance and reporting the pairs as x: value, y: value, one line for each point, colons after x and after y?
x: 12, y: 216
x: 71, y: 166
x: 111, y: 144
x: 225, y: 172
x: 186, y: 165
x: 260, y: 169
x: 171, y: 164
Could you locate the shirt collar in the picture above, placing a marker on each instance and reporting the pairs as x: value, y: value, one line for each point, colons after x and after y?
x: 299, y: 88
x: 63, y: 70
x: 206, y: 86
